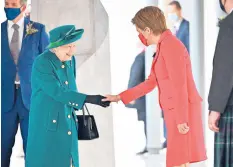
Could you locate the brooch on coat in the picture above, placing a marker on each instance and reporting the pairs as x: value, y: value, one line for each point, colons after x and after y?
x: 220, y: 21
x: 30, y: 29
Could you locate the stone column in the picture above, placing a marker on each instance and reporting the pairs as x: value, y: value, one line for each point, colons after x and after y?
x: 152, y: 104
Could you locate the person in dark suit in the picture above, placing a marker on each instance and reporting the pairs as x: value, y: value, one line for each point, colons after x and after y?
x: 180, y: 25
x: 22, y: 41
x: 221, y: 91
x: 137, y: 76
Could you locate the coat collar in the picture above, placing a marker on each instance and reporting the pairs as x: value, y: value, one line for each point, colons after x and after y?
x: 5, y: 33
x: 20, y: 23
x: 25, y: 20
x: 58, y: 62
x: 5, y: 24
x: 164, y: 35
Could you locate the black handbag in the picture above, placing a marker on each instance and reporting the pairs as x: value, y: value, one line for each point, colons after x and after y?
x: 87, y: 129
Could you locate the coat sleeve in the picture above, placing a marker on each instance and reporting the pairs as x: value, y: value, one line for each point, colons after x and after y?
x: 139, y: 90
x: 50, y: 85
x: 222, y: 75
x: 174, y: 58
x: 44, y: 39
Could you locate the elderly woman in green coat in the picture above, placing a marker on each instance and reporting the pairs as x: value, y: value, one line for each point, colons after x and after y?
x: 53, y: 138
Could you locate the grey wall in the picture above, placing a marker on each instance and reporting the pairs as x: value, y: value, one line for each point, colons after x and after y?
x: 89, y: 15
x: 94, y: 78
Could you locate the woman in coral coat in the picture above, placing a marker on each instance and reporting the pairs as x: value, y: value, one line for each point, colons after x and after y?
x: 178, y: 96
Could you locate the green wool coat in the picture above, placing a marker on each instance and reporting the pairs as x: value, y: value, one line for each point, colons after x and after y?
x: 52, y: 135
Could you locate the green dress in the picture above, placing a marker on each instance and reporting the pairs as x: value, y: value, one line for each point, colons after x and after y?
x: 52, y: 135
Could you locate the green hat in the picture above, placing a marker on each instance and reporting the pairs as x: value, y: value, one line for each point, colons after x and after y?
x: 64, y: 35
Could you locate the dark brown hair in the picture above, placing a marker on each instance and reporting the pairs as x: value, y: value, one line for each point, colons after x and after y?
x: 177, y: 4
x: 151, y: 17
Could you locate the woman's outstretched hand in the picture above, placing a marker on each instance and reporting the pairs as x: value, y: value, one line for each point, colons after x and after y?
x: 112, y: 98
x: 97, y: 100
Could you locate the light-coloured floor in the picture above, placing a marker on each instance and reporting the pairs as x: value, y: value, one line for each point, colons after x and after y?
x: 147, y: 160
x: 143, y: 161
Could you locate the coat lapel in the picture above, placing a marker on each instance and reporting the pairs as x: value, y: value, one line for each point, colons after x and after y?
x: 5, y: 40
x: 162, y: 37
x: 24, y: 40
x: 181, y: 28
x: 26, y: 21
x: 5, y: 33
x: 157, y: 55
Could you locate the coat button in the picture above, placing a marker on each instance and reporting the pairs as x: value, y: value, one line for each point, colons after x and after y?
x: 69, y: 133
x: 77, y: 105
x: 66, y: 82
x: 69, y: 116
x: 63, y: 66
x: 70, y: 103
x: 54, y: 121
x: 73, y: 104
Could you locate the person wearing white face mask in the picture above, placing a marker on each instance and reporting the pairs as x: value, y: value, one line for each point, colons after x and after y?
x: 180, y: 25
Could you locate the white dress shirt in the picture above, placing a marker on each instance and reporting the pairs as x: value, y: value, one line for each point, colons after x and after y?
x: 177, y: 24
x: 176, y: 27
x: 10, y: 30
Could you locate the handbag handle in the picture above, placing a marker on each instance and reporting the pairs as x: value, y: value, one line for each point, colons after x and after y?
x: 85, y: 106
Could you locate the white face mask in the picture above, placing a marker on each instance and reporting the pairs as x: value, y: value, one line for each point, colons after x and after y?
x: 173, y: 17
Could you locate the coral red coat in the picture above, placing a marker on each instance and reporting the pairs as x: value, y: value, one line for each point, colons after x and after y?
x: 178, y: 98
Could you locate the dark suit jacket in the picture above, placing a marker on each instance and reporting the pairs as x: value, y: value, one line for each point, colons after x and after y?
x: 137, y: 76
x: 32, y: 46
x: 183, y: 33
x: 221, y: 93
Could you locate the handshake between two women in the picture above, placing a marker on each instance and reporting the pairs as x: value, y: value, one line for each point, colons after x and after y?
x: 103, y: 101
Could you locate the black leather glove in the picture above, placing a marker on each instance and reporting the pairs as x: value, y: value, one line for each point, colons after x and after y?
x: 97, y: 100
